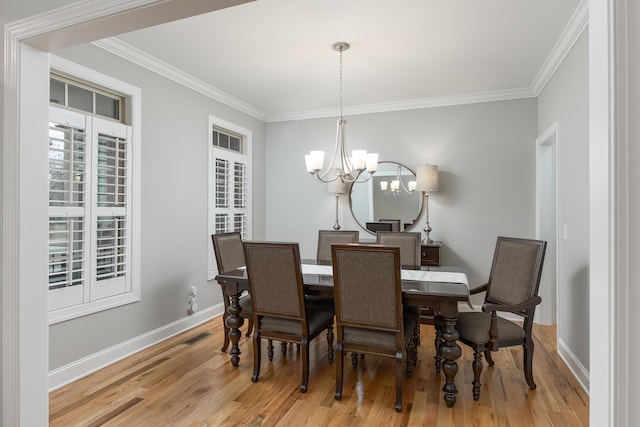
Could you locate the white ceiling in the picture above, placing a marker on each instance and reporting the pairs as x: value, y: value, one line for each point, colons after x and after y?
x: 275, y: 56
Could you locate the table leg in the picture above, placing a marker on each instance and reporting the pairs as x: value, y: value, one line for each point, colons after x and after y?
x: 450, y: 351
x: 234, y: 321
x: 437, y: 325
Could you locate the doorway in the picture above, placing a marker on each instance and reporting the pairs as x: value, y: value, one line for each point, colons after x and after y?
x: 547, y: 221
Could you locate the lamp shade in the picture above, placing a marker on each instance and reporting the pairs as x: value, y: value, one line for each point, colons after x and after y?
x: 427, y: 178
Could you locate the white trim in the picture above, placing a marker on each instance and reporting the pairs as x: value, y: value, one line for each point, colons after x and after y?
x: 134, y: 137
x: 80, y: 368
x: 24, y: 361
x: 550, y: 138
x: 577, y: 24
x: 623, y: 317
x: 603, y: 342
x: 11, y: 327
x: 572, y: 32
x: 577, y: 369
x: 411, y: 104
x: 73, y: 312
x: 151, y: 63
x: 247, y: 136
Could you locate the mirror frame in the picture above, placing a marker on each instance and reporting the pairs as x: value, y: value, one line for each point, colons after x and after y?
x: 420, y: 210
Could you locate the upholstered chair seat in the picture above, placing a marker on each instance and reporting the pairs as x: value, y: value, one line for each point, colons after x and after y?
x: 382, y: 339
x: 474, y: 326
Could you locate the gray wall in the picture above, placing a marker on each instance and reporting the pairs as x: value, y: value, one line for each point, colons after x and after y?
x: 174, y: 209
x: 486, y: 158
x: 565, y: 100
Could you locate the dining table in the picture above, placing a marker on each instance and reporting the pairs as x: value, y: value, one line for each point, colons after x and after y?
x: 439, y: 289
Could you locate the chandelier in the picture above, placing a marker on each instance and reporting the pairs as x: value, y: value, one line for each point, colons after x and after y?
x: 397, y: 186
x: 359, y: 167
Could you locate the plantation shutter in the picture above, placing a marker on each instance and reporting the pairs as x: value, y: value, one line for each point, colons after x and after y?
x: 89, y: 208
x: 69, y: 154
x: 230, y: 192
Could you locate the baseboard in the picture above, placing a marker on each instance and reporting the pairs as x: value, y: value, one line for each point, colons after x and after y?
x: 73, y: 371
x: 574, y: 365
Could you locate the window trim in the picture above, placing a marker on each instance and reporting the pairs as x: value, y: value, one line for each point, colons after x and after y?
x: 247, y: 141
x: 133, y: 118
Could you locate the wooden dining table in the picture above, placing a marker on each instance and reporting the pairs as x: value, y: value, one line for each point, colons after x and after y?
x: 442, y: 290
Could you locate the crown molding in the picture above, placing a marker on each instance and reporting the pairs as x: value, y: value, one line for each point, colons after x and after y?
x: 411, y: 104
x: 577, y: 24
x: 570, y: 35
x: 151, y: 63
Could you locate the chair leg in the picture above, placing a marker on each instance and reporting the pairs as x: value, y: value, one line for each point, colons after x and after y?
x: 416, y: 343
x: 283, y: 347
x: 477, y: 370
x: 354, y: 360
x: 257, y: 354
x: 330, y: 344
x: 305, y: 365
x: 270, y: 350
x: 411, y: 350
x: 399, y: 382
x: 528, y: 363
x: 249, y: 327
x: 339, y: 371
x: 487, y: 356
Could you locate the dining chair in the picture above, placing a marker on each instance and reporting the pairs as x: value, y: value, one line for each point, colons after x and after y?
x: 280, y: 312
x: 512, y: 287
x: 369, y: 313
x: 409, y: 243
x: 326, y: 238
x: 229, y: 255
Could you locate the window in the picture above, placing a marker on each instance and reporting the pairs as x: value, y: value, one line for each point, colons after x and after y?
x: 93, y: 214
x: 229, y: 182
x: 79, y: 96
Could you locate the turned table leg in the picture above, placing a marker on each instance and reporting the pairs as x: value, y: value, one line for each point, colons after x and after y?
x: 234, y: 322
x: 450, y: 351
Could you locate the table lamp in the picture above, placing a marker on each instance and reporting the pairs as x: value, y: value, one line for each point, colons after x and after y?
x: 427, y: 181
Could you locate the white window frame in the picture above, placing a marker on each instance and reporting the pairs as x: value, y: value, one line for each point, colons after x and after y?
x: 132, y: 289
x: 247, y: 138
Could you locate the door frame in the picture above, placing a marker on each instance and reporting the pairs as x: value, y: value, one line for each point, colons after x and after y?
x: 545, y: 141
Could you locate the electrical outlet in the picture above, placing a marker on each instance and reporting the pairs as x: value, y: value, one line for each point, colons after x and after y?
x: 192, y: 305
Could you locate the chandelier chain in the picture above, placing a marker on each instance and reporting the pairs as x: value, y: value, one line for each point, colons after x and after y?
x: 340, y: 84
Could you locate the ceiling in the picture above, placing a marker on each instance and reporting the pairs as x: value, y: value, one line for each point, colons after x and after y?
x: 273, y: 58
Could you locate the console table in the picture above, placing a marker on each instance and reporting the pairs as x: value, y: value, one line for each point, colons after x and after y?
x: 430, y: 254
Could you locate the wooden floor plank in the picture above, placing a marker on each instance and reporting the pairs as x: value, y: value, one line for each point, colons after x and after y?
x: 175, y: 383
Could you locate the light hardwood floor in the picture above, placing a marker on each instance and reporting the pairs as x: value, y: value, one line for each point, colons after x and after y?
x: 188, y: 381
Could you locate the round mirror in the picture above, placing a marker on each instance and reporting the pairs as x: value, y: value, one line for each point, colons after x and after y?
x: 388, y: 201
